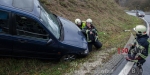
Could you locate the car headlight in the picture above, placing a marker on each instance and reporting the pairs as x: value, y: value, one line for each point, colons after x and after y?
x: 86, y: 51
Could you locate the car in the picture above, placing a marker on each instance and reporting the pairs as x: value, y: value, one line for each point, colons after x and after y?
x: 28, y: 29
x: 140, y: 13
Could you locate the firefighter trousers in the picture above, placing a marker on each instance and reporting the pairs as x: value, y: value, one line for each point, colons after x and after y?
x: 97, y: 44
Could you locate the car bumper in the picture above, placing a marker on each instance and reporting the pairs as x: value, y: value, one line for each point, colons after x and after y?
x: 140, y: 15
x: 85, y: 53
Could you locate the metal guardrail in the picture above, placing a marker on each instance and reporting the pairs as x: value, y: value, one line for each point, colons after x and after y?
x: 110, y: 66
x: 147, y: 25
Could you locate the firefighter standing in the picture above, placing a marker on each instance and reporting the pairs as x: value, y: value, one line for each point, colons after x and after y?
x: 91, y: 35
x: 141, y: 43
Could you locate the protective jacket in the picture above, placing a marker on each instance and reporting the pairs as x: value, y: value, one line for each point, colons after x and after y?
x: 83, y: 24
x: 143, y: 45
x: 90, y: 37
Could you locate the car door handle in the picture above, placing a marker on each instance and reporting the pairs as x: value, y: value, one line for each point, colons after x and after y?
x: 22, y: 41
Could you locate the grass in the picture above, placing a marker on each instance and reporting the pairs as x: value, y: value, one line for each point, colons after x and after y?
x: 108, y: 18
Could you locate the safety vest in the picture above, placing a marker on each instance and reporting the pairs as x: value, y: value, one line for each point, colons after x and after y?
x: 83, y: 24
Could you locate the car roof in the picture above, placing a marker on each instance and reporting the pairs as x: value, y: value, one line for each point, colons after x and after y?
x: 140, y: 11
x: 28, y: 7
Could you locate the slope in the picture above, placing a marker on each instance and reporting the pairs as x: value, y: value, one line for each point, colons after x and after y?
x: 107, y: 16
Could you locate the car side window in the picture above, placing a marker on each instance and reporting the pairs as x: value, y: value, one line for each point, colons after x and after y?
x: 4, y: 25
x: 30, y: 28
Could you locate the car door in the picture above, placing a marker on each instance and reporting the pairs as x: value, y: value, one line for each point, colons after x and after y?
x: 31, y: 39
x: 5, y: 34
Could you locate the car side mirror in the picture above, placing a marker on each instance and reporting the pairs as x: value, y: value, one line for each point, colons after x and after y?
x: 49, y: 41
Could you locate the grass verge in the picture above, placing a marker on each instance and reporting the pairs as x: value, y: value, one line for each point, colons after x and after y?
x: 108, y: 18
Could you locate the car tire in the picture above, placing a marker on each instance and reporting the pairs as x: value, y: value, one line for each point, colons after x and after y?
x: 68, y: 57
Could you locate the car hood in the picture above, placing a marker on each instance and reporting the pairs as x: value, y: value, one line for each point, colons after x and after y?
x: 72, y: 34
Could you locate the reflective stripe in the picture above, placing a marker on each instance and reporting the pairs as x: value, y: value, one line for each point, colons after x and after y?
x: 96, y: 38
x: 135, y: 61
x: 148, y: 46
x: 87, y: 31
x: 94, y: 30
x: 141, y: 48
x: 143, y: 56
x: 149, y: 50
x: 87, y: 36
x: 88, y: 40
x: 132, y: 51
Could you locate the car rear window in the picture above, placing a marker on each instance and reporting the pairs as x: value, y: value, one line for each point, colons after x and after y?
x: 23, y: 4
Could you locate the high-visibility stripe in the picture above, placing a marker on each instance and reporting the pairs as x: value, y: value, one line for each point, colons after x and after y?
x: 143, y: 56
x: 148, y: 46
x: 88, y: 40
x: 135, y: 61
x: 96, y: 38
x: 87, y: 36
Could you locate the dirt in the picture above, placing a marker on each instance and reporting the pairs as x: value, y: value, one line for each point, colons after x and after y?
x: 97, y: 61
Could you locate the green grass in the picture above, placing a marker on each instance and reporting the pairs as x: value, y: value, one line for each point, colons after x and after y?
x: 108, y: 18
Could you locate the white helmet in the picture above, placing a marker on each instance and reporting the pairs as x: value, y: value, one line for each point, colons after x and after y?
x: 77, y: 21
x: 140, y: 29
x: 89, y: 20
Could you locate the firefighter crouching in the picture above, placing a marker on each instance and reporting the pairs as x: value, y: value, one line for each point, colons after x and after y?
x: 91, y: 35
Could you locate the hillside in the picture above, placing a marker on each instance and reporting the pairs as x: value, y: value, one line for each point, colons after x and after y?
x: 108, y: 18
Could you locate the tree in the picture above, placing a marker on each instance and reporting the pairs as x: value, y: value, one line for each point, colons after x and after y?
x: 138, y: 4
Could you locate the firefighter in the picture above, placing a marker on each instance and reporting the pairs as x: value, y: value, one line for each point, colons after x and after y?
x: 79, y: 23
x: 141, y: 44
x: 91, y: 35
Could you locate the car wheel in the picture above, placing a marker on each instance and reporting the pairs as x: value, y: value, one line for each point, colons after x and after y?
x: 68, y: 57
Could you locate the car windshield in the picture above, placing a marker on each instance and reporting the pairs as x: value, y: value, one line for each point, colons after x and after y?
x: 51, y: 22
x: 140, y: 11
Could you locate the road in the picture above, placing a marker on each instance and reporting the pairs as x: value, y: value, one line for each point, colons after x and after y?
x: 146, y: 66
x: 125, y: 68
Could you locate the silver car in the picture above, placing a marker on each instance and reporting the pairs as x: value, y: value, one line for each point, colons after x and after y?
x: 140, y: 13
